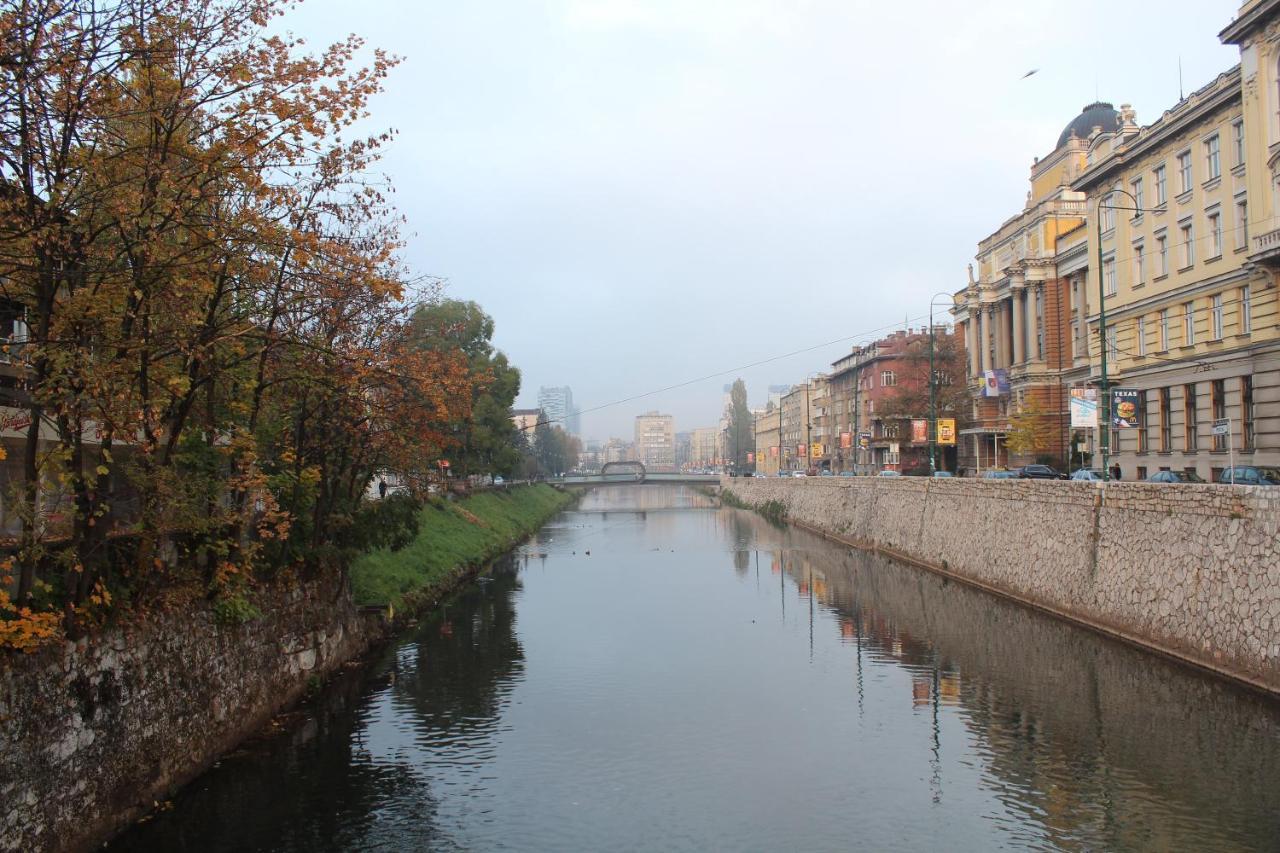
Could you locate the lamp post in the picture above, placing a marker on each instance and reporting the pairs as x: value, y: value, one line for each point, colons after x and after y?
x: 1105, y: 389
x: 933, y: 393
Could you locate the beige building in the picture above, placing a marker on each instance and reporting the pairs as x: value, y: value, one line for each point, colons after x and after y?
x: 798, y: 425
x: 766, y: 433
x: 1188, y: 279
x: 704, y: 447
x: 655, y: 446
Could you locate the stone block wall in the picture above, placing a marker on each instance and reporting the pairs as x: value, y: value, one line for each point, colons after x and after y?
x: 92, y: 734
x: 1191, y: 571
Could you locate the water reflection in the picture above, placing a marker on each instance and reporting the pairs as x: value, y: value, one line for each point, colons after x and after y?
x: 653, y: 672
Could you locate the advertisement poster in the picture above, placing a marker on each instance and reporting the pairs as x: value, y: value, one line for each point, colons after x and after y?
x: 846, y: 440
x: 995, y: 383
x: 1084, y: 408
x: 1124, y: 408
x: 773, y: 451
x: 864, y: 440
x: 946, y: 430
x: 800, y: 450
x: 815, y: 451
x: 751, y: 458
x: 919, y: 431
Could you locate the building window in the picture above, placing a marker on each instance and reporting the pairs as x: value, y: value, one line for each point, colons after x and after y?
x: 1246, y: 412
x: 1189, y: 426
x: 1184, y: 172
x: 887, y: 378
x: 1113, y: 349
x: 1188, y: 324
x: 1166, y: 428
x: 1215, y: 234
x: 1143, y: 420
x: 1218, y: 406
x: 1188, y: 244
x: 1237, y: 136
x: 1164, y: 330
x: 1139, y: 263
x: 1109, y: 275
x: 1246, y: 311
x: 1039, y: 309
x: 1162, y: 194
x: 1211, y: 160
x: 1135, y: 187
x: 1215, y: 316
x: 1108, y: 212
x: 1242, y: 223
x: 1142, y: 335
x: 1162, y: 255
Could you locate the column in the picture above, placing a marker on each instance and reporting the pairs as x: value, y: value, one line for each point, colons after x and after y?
x: 1033, y: 324
x: 1018, y: 301
x: 1002, y: 333
x: 984, y: 333
x: 971, y: 342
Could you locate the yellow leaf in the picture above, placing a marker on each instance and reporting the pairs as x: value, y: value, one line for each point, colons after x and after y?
x: 103, y: 470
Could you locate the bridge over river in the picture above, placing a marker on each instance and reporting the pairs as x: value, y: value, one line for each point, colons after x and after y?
x: 635, y: 473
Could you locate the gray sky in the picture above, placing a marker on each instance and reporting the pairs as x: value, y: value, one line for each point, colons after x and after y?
x: 643, y: 192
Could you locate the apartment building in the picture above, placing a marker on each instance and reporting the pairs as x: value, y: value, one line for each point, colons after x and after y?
x: 655, y: 441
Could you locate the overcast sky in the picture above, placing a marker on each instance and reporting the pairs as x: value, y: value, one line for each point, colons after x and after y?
x: 644, y: 192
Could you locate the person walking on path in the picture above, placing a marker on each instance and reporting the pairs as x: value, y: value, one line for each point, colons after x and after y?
x: 1115, y: 471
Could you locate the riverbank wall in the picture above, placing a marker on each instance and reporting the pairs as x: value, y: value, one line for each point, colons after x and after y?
x: 97, y: 733
x: 1192, y: 572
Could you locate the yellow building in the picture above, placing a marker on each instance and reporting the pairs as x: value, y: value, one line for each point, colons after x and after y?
x: 1190, y: 299
x: 766, y: 433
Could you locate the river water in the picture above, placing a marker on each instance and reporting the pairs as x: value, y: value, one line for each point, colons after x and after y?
x: 655, y: 672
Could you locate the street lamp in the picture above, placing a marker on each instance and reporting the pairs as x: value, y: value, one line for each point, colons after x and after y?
x: 1105, y: 390
x: 933, y: 382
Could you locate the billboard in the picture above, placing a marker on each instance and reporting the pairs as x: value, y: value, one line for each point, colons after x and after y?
x: 1084, y: 408
x: 846, y: 440
x: 751, y: 458
x: 946, y: 430
x: 919, y: 431
x: 1124, y: 408
x: 995, y: 383
x: 815, y: 451
x: 773, y: 451
x: 864, y: 440
x: 800, y: 450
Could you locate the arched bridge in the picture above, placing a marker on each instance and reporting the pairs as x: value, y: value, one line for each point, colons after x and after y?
x: 635, y: 473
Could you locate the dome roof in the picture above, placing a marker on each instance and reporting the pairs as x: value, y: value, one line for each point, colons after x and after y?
x: 1097, y: 114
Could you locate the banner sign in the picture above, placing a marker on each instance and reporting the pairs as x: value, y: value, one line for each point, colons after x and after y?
x: 800, y: 450
x: 919, y: 431
x: 751, y: 458
x: 1084, y: 408
x: 946, y: 430
x: 815, y: 451
x: 995, y: 383
x: 864, y: 440
x: 773, y: 451
x: 846, y: 440
x: 1124, y: 408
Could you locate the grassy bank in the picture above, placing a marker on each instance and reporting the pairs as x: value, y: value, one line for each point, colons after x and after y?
x: 454, y: 534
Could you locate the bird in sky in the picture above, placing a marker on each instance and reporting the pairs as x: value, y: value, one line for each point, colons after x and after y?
x: 1029, y: 73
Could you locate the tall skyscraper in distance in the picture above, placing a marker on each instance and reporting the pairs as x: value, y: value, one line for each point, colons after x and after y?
x: 557, y: 402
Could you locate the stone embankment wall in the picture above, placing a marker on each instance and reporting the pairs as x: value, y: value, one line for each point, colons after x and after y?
x: 1191, y: 571
x: 94, y: 733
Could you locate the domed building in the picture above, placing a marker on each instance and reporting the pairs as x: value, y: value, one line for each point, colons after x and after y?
x: 1099, y: 115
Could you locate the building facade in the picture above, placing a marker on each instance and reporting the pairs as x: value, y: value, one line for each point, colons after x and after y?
x: 766, y: 436
x: 655, y: 441
x: 557, y: 402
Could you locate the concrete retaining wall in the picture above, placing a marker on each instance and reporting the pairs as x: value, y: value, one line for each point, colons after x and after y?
x: 91, y: 734
x: 1191, y: 571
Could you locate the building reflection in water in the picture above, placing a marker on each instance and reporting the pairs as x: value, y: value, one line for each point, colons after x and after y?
x: 1082, y: 728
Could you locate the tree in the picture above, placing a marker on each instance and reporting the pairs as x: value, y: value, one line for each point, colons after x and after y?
x: 1031, y: 430
x: 740, y: 430
x: 489, y: 441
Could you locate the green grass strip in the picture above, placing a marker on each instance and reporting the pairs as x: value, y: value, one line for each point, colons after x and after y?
x: 448, y: 539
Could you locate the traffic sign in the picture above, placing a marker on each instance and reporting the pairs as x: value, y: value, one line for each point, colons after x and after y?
x: 1222, y: 426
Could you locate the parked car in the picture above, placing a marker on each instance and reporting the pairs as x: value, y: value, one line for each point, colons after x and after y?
x: 1090, y: 474
x: 498, y: 481
x: 943, y: 474
x: 1175, y: 477
x: 782, y: 473
x: 846, y: 474
x: 758, y: 474
x: 825, y: 473
x: 999, y: 475
x: 797, y: 474
x: 1251, y: 475
x: 1039, y: 472
x: 888, y: 472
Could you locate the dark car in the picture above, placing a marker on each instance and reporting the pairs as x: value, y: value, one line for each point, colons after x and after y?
x: 1039, y: 472
x: 1175, y: 477
x: 1251, y: 475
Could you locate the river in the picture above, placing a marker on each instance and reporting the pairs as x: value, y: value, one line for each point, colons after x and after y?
x: 655, y: 672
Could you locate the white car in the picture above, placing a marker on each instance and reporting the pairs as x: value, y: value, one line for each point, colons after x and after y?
x: 498, y: 481
x: 797, y: 473
x: 888, y: 472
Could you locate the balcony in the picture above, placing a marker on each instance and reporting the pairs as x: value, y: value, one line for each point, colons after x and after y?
x: 1266, y: 250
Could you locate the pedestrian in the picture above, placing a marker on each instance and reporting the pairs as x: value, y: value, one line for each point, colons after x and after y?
x: 382, y: 488
x: 1115, y: 471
